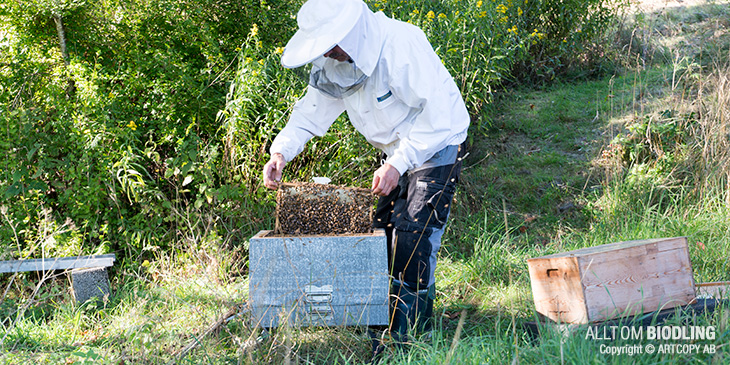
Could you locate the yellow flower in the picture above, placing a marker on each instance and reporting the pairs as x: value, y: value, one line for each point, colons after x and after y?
x: 415, y: 11
x: 430, y: 15
x: 248, y: 59
x: 519, y: 11
x: 279, y: 50
x: 261, y: 61
x: 501, y: 8
x: 254, y: 30
x: 503, y: 19
x: 479, y: 4
x: 513, y: 29
x: 132, y: 125
x: 482, y: 14
x: 442, y: 16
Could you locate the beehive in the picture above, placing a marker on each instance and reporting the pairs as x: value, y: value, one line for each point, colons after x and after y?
x: 612, y: 280
x: 317, y: 209
x: 319, y: 280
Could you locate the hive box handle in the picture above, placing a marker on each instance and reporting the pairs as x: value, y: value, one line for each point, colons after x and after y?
x: 318, y: 300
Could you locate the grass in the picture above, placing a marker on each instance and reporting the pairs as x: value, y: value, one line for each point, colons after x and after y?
x: 542, y: 179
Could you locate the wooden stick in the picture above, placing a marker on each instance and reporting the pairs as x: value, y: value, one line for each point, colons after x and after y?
x: 295, y: 184
x: 277, y: 225
x: 457, y: 335
x: 197, y: 340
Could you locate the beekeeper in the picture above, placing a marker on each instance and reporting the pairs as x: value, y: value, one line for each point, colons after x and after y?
x: 399, y: 95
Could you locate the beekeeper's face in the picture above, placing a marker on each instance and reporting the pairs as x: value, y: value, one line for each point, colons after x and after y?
x: 338, y: 54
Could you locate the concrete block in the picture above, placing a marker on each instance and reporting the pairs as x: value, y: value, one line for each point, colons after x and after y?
x: 89, y: 283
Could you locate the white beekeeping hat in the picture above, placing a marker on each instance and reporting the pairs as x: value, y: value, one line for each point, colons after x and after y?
x: 322, y: 24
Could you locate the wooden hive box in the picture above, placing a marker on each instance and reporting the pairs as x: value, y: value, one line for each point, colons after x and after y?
x: 612, y: 280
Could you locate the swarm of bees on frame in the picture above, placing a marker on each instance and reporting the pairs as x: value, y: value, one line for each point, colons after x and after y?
x: 321, y: 209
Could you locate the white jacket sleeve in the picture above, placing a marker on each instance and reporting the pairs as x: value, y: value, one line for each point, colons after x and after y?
x: 442, y: 107
x: 312, y: 116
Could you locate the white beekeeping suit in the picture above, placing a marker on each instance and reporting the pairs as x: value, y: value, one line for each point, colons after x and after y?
x: 407, y: 105
x: 399, y: 95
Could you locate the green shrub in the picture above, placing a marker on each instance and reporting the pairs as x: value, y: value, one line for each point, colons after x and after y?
x: 154, y: 130
x: 257, y: 109
x: 136, y: 142
x: 567, y: 36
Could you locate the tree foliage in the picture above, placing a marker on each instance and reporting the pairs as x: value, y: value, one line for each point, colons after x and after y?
x: 154, y: 129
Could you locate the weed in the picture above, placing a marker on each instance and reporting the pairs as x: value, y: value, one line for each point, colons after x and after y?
x: 143, y: 165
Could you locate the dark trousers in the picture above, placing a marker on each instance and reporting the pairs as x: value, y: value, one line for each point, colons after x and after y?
x: 414, y: 216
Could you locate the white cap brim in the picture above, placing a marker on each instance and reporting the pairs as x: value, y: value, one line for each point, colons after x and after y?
x: 310, y: 42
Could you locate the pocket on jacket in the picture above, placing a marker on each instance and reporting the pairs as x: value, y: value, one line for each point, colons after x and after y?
x: 384, y: 98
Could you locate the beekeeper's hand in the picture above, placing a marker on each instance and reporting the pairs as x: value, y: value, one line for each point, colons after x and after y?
x: 385, y: 179
x: 273, y: 169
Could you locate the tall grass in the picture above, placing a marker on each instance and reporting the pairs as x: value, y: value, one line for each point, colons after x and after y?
x: 189, y: 276
x: 712, y: 143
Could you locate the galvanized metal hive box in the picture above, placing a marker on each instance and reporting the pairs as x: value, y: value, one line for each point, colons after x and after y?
x: 318, y: 280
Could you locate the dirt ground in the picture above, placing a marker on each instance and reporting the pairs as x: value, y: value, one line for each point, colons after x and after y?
x: 658, y: 5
